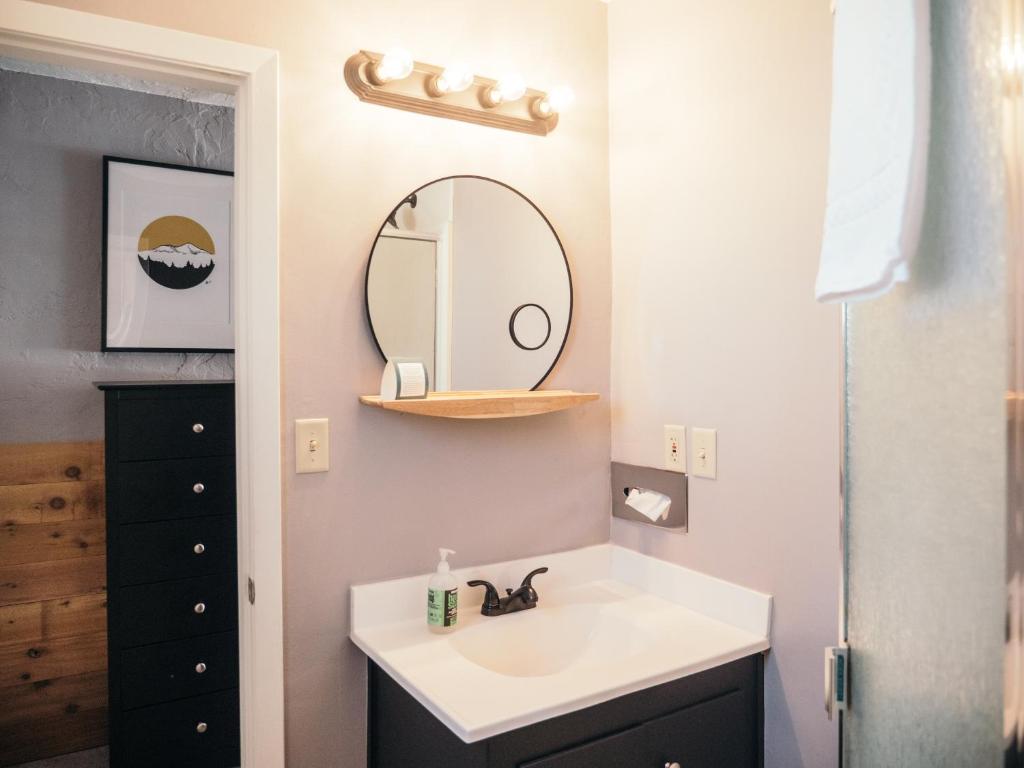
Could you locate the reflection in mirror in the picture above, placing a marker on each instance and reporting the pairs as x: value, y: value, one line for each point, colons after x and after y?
x: 469, y: 277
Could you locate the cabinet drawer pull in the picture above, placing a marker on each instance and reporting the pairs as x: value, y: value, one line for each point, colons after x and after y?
x: 200, y: 608
x: 198, y: 488
x: 201, y: 727
x: 200, y: 668
x: 672, y: 765
x: 199, y: 548
x: 198, y: 428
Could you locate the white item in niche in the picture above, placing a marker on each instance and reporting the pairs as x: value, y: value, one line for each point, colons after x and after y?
x: 404, y: 379
x: 651, y: 504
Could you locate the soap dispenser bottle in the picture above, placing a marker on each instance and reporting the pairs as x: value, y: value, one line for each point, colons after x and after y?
x: 443, y: 597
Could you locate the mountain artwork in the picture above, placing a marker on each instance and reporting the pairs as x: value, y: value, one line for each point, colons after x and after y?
x: 176, y: 252
x: 177, y: 267
x: 166, y: 258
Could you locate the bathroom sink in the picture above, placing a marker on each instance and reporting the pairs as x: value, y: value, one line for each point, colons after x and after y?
x: 545, y: 641
x: 609, y: 622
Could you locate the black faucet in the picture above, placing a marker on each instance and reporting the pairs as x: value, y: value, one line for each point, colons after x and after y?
x: 519, y: 600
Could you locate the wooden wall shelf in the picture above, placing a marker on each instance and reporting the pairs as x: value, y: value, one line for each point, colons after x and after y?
x: 493, y: 404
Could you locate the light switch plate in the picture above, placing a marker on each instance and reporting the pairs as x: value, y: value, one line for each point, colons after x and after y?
x: 312, y: 446
x: 705, y: 453
x: 675, y: 448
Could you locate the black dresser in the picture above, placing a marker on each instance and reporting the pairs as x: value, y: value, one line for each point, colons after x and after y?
x: 172, y: 574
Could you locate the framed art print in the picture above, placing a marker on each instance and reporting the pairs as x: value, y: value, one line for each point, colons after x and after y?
x: 166, y: 258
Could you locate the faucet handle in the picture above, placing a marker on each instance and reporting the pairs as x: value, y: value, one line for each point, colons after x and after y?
x: 491, y: 599
x: 528, y: 581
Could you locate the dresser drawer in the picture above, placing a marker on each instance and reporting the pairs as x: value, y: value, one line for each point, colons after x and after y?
x: 202, y: 732
x: 167, y: 490
x: 154, y: 674
x: 176, y: 549
x: 153, y: 613
x: 175, y: 428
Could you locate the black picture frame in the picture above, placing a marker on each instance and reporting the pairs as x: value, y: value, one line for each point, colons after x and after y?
x: 107, y: 160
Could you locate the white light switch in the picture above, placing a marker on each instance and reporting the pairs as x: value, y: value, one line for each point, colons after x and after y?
x: 312, y: 446
x: 675, y: 448
x: 705, y: 453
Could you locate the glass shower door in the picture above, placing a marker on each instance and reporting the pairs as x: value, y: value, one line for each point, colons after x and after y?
x: 928, y: 461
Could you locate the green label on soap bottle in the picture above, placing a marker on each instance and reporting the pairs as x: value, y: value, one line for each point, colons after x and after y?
x: 442, y: 607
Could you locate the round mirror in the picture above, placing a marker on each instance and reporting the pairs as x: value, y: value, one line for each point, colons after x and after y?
x: 468, y: 276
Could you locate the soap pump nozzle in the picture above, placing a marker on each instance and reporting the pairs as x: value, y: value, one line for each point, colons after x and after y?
x: 443, y: 566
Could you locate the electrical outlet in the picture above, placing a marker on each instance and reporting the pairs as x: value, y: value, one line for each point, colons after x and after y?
x: 312, y: 448
x: 675, y: 448
x: 705, y: 453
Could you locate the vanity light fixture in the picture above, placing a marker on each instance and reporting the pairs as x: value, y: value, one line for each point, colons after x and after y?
x: 455, y: 79
x: 396, y: 64
x: 396, y: 80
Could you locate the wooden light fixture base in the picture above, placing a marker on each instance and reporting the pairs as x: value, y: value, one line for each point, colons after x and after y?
x: 413, y: 94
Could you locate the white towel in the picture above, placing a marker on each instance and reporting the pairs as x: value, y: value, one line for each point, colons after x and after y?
x: 881, y: 91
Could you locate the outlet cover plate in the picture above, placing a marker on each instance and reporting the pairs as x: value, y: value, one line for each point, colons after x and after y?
x: 675, y: 448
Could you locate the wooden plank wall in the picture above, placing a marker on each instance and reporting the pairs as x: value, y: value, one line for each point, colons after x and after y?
x: 53, y: 600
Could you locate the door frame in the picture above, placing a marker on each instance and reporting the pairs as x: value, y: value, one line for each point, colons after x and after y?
x: 50, y: 34
x: 442, y: 374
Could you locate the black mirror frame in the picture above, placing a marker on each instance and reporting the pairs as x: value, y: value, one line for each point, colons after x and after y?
x: 568, y: 270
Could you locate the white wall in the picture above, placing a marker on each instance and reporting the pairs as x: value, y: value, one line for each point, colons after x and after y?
x: 718, y: 136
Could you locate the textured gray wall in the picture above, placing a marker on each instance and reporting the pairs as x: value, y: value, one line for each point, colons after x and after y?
x: 53, y: 135
x: 927, y: 444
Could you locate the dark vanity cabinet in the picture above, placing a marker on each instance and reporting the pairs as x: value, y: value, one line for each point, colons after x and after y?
x: 172, y: 575
x: 712, y: 719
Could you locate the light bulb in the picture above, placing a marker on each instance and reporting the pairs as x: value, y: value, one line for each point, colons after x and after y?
x: 397, y: 64
x: 510, y: 88
x: 1013, y: 56
x: 561, y: 98
x: 455, y: 78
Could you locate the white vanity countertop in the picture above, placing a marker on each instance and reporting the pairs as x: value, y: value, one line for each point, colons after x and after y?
x: 610, y: 621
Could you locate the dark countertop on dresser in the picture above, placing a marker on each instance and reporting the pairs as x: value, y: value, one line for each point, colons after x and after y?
x: 165, y: 383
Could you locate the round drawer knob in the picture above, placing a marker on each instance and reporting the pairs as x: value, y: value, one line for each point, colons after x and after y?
x: 201, y: 727
x: 198, y: 428
x: 198, y: 488
x: 200, y: 608
x: 199, y: 548
x: 200, y: 668
x: 672, y: 765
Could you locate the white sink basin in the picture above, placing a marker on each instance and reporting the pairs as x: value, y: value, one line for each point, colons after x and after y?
x: 610, y: 622
x: 545, y: 641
